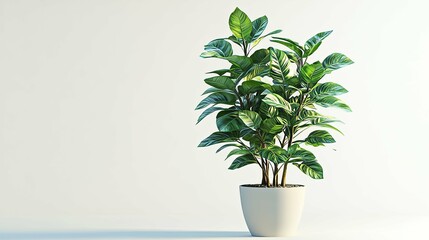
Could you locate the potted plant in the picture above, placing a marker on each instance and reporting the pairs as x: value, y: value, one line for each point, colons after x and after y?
x: 268, y: 110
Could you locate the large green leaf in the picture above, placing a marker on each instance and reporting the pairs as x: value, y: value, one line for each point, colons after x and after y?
x: 327, y: 89
x: 220, y: 72
x: 336, y: 61
x: 318, y: 138
x: 242, y: 62
x: 268, y: 110
x: 247, y: 133
x: 306, y: 114
x: 213, y: 90
x: 227, y: 145
x: 228, y: 121
x: 249, y: 73
x: 293, y: 83
x: 274, y: 153
x: 257, y: 41
x: 272, y: 33
x: 277, y: 101
x: 273, y: 125
x: 258, y: 27
x: 314, y: 42
x: 261, y: 56
x: 250, y: 118
x: 324, y: 123
x: 297, y: 153
x: 217, y: 48
x: 257, y: 70
x: 240, y: 24
x: 221, y: 82
x: 330, y: 101
x: 292, y: 45
x: 311, y: 168
x: 207, y: 112
x: 252, y: 86
x: 292, y: 56
x: 242, y: 161
x: 237, y: 151
x: 235, y: 40
x: 312, y: 73
x: 218, y: 137
x: 317, y: 120
x: 279, y: 64
x: 217, y: 98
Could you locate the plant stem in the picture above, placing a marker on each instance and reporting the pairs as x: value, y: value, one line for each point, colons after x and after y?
x: 239, y: 99
x: 267, y: 172
x: 263, y: 169
x: 264, y: 177
x: 285, y: 166
x: 248, y: 101
x: 284, y: 175
x: 245, y: 48
x: 275, y: 175
x: 283, y: 142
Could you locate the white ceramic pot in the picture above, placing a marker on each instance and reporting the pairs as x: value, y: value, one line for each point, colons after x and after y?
x: 272, y: 212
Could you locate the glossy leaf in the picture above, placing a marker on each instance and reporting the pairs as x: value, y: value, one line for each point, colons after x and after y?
x: 235, y: 40
x: 272, y: 33
x: 257, y: 41
x: 311, y: 168
x: 292, y: 45
x: 220, y: 72
x: 252, y: 86
x: 257, y: 70
x: 217, y: 137
x: 330, y: 101
x: 268, y: 110
x: 297, y: 153
x: 217, y: 48
x: 293, y: 57
x: 207, y: 112
x: 228, y: 121
x: 306, y: 114
x: 217, y: 98
x: 258, y: 27
x: 226, y: 146
x: 312, y: 73
x: 237, y: 151
x: 242, y: 161
x: 279, y: 64
x: 250, y: 118
x: 275, y: 154
x: 327, y: 89
x: 273, y: 125
x: 277, y: 101
x: 212, y: 90
x: 240, y: 24
x: 318, y: 138
x: 220, y: 82
x: 242, y: 62
x: 314, y: 42
x: 324, y: 123
x: 261, y: 56
x: 336, y: 61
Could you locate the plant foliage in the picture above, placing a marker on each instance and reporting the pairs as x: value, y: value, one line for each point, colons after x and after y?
x: 267, y: 101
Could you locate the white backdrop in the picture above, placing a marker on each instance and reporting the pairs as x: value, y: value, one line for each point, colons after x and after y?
x: 97, y: 122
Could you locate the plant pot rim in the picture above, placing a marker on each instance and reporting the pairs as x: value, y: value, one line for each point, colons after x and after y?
x: 258, y: 186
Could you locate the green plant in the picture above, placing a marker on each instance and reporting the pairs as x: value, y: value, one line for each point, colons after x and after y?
x: 266, y: 100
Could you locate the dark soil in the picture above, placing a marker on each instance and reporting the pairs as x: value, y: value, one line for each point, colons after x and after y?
x: 263, y: 186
